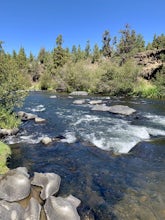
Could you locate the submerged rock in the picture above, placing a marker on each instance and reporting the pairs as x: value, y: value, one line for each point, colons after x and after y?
x: 15, y: 185
x: 58, y: 208
x: 49, y: 181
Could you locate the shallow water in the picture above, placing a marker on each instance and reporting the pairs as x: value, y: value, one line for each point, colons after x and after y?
x: 127, y: 184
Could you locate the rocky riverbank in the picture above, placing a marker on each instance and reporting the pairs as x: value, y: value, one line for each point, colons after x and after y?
x: 25, y: 198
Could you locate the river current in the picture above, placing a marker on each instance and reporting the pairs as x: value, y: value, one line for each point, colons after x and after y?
x: 114, y: 164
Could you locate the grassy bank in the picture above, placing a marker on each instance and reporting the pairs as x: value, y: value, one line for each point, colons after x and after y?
x: 5, y: 152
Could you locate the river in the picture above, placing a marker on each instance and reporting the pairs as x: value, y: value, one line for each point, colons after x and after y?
x: 114, y: 164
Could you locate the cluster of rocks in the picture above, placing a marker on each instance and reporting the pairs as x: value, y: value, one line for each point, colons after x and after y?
x: 19, y: 202
x: 98, y: 105
x: 24, y: 116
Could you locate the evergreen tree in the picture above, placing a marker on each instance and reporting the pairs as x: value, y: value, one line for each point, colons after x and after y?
x: 87, y: 49
x: 106, y: 49
x: 59, y: 54
x: 42, y: 55
x: 159, y: 42
x: 31, y: 57
x: 96, y: 54
x: 14, y: 55
x: 21, y: 59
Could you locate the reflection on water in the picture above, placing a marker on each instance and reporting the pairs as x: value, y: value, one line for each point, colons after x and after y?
x: 110, y: 186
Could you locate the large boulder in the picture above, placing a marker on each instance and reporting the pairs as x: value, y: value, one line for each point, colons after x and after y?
x: 15, y: 185
x: 79, y: 93
x: 49, y: 181
x: 121, y: 109
x: 58, y: 208
x: 102, y: 108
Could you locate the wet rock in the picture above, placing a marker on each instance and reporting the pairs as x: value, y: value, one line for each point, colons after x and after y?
x: 39, y: 120
x: 24, y: 116
x: 58, y: 208
x: 102, y: 108
x: 15, y: 185
x: 11, y: 211
x: 7, y: 132
x: 75, y: 201
x: 121, y: 109
x: 79, y: 102
x: 95, y: 102
x: 79, y: 93
x: 32, y: 212
x: 49, y: 181
x: 46, y: 140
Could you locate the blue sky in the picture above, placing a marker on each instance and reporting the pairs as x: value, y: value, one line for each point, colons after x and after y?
x: 34, y: 24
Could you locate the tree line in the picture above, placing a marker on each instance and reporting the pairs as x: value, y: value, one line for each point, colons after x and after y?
x: 110, y: 69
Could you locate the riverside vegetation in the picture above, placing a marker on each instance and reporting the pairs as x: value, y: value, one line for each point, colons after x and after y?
x: 112, y: 69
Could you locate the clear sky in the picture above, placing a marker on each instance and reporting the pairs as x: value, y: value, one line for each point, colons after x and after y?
x: 34, y: 24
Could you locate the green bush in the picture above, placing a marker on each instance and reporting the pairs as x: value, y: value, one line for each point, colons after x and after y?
x: 7, y: 119
x: 5, y: 152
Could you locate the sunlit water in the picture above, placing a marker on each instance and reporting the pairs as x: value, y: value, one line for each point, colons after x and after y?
x: 106, y: 182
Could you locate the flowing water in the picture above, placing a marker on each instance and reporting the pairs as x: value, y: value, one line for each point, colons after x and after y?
x: 114, y: 164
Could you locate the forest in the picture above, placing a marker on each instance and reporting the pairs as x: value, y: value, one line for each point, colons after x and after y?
x: 123, y: 66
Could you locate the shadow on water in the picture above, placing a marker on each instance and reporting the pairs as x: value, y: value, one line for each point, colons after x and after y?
x: 107, y: 185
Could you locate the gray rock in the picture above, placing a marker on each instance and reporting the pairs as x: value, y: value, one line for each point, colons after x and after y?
x: 53, y: 96
x: 5, y: 132
x: 79, y: 93
x: 75, y: 201
x: 24, y: 116
x: 95, y: 102
x: 11, y: 211
x: 46, y: 140
x: 15, y: 185
x: 121, y: 109
x: 49, y: 181
x: 33, y: 210
x: 79, y: 101
x: 103, y: 108
x: 39, y: 120
x: 58, y: 208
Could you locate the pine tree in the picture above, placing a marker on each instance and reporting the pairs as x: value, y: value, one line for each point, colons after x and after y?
x: 106, y: 49
x: 87, y: 49
x: 96, y: 54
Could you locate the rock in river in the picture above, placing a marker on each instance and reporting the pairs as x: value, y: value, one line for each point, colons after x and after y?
x: 121, y: 109
x: 49, y: 181
x: 11, y: 211
x: 15, y: 185
x: 79, y: 93
x: 58, y: 208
